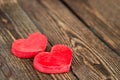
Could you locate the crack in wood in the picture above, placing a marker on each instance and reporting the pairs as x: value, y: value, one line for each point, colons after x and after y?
x: 102, y: 69
x: 74, y: 73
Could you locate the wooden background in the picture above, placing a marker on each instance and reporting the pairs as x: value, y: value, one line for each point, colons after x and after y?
x: 90, y: 27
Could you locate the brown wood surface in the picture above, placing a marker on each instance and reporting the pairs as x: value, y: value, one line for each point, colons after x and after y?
x: 101, y: 17
x: 93, y: 36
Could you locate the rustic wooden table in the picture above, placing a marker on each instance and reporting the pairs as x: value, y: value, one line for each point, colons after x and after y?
x: 90, y: 27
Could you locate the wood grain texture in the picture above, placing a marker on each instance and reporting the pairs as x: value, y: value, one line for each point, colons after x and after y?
x: 102, y: 17
x: 16, y: 24
x: 92, y: 59
x: 17, y: 69
x: 11, y: 67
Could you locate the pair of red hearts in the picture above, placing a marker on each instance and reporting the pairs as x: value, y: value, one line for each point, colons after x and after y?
x: 56, y: 61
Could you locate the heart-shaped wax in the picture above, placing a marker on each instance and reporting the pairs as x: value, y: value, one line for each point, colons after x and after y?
x: 28, y: 48
x: 56, y: 61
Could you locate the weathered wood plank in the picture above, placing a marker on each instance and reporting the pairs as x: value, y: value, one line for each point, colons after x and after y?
x: 92, y: 59
x: 19, y: 25
x: 11, y: 67
x: 102, y: 17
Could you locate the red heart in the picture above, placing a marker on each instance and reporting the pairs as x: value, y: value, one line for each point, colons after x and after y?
x: 27, y: 48
x: 56, y: 61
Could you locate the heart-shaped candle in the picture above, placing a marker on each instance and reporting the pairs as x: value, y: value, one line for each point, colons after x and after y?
x: 56, y: 61
x: 28, y: 48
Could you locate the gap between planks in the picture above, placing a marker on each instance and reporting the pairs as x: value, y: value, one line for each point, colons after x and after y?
x: 74, y: 10
x: 53, y: 15
x: 13, y: 22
